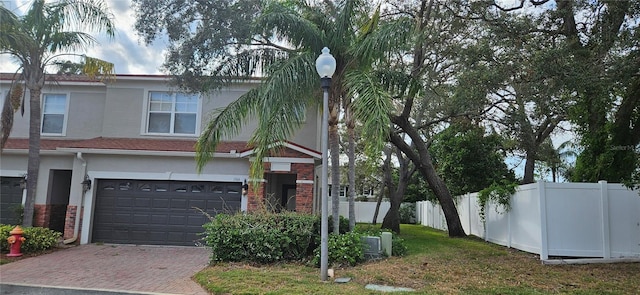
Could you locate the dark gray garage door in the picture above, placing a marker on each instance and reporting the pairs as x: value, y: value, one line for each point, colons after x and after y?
x: 10, y: 200
x: 159, y: 212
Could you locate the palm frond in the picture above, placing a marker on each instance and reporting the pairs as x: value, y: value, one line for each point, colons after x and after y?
x: 226, y: 123
x: 389, y: 37
x: 6, y: 121
x: 95, y: 67
x: 91, y: 15
x: 289, y: 26
x: 70, y: 41
x: 279, y: 105
x: 287, y: 95
x: 371, y: 106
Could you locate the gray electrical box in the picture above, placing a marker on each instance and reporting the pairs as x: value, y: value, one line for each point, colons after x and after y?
x: 372, y: 247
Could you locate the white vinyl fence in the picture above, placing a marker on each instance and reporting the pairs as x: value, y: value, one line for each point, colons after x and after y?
x: 592, y: 220
x: 364, y: 211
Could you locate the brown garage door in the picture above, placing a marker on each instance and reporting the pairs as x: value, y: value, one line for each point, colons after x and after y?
x: 10, y: 200
x: 159, y: 212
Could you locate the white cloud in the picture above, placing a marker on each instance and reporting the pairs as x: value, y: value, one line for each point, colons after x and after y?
x: 126, y: 50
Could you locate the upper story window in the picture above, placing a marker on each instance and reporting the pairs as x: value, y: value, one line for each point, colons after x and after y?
x: 172, y: 113
x: 54, y: 113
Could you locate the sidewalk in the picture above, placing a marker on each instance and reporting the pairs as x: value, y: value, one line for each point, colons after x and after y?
x: 151, y: 269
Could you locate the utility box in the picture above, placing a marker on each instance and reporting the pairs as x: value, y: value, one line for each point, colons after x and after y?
x: 372, y: 247
x: 386, y: 239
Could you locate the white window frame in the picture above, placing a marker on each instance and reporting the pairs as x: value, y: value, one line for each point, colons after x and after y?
x: 148, y: 111
x: 65, y: 114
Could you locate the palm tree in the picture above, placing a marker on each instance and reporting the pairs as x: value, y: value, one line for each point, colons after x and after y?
x: 47, y: 31
x: 279, y: 40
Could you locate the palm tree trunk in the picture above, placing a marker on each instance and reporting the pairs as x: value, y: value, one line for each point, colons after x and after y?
x: 33, y: 163
x: 334, y: 147
x: 352, y: 171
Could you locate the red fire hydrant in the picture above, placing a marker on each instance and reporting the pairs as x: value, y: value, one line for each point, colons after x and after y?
x: 15, y: 241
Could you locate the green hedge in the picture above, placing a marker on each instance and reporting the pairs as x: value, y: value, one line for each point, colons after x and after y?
x: 270, y: 237
x: 38, y: 239
x: 260, y: 237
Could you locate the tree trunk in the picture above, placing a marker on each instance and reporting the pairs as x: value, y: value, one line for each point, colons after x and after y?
x: 352, y: 174
x: 422, y: 159
x: 386, y: 176
x: 377, y: 210
x: 529, y: 166
x: 391, y: 220
x: 334, y: 147
x: 33, y: 163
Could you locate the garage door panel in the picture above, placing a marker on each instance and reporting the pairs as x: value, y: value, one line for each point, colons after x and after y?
x: 143, y: 202
x: 122, y: 218
x: 196, y: 220
x: 123, y: 202
x: 177, y: 220
x: 161, y: 203
x: 197, y: 203
x: 158, y: 212
x: 179, y: 203
x: 141, y: 219
x: 107, y: 201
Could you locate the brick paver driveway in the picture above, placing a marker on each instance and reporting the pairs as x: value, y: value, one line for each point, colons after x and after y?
x: 113, y: 267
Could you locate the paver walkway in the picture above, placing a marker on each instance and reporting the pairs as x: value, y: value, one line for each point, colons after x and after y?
x: 155, y: 269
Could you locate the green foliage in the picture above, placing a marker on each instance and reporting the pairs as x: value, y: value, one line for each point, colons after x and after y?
x: 398, y: 246
x: 37, y: 239
x: 260, y: 237
x: 407, y: 213
x: 343, y: 224
x: 4, y: 234
x: 499, y: 193
x: 417, y: 189
x: 344, y: 249
x: 469, y: 160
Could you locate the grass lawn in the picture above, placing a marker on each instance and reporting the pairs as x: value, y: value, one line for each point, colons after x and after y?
x: 436, y: 264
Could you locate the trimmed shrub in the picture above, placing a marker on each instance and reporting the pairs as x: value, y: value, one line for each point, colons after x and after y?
x: 260, y: 237
x: 398, y: 246
x: 344, y: 249
x: 38, y: 239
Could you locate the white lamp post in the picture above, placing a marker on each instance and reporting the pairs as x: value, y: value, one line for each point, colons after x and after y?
x: 326, y: 66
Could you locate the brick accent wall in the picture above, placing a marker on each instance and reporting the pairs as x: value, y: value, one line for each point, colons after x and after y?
x: 304, y: 191
x: 70, y: 221
x: 41, y: 215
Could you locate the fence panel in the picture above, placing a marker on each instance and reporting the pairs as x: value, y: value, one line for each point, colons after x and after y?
x: 554, y: 219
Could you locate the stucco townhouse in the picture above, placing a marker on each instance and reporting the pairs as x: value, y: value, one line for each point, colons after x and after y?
x: 117, y: 162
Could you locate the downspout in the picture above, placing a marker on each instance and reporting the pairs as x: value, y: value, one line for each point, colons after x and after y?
x: 76, y: 228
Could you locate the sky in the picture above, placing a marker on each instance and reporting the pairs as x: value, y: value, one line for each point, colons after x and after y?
x: 126, y: 50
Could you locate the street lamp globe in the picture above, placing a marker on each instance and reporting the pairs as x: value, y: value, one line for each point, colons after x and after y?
x: 325, y: 64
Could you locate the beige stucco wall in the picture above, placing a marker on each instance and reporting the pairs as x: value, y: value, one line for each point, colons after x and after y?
x: 118, y: 109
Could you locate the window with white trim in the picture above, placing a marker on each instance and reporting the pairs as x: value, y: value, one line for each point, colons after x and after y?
x: 54, y: 108
x: 172, y: 113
